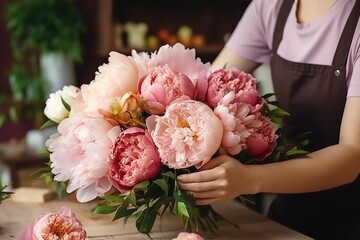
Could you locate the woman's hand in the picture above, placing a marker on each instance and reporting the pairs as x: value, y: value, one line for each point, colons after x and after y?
x: 220, y: 179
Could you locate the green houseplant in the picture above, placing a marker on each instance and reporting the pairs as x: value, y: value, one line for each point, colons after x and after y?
x: 46, y: 26
x: 4, y: 194
x: 39, y: 29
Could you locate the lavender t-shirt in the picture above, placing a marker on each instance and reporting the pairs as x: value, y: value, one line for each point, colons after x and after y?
x: 313, y: 43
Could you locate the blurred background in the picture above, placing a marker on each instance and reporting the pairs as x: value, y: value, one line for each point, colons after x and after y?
x: 47, y: 44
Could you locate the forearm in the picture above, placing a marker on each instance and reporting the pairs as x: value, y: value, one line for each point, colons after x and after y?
x: 229, y: 59
x: 324, y: 169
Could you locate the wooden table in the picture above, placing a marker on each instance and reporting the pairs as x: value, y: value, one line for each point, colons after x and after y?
x: 14, y: 216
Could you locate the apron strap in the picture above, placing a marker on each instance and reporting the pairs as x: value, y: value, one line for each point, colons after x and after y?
x: 342, y: 51
x: 280, y: 23
x: 344, y: 44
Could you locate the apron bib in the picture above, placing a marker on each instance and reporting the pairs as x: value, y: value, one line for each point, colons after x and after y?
x: 315, y: 97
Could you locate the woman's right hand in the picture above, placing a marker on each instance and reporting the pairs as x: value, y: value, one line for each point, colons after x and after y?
x: 222, y: 178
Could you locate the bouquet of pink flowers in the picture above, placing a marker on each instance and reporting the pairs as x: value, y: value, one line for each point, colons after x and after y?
x: 147, y: 118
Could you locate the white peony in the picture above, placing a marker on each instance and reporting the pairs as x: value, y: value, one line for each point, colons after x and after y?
x: 55, y: 109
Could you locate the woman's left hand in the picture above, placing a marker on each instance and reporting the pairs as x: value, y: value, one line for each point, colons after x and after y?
x: 220, y: 179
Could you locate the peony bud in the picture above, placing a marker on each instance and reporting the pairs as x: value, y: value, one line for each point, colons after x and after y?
x: 130, y: 102
x: 126, y: 112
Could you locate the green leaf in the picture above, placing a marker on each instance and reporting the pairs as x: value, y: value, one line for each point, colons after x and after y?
x: 123, y: 211
x: 275, y: 156
x: 275, y: 119
x: 136, y: 214
x: 113, y: 198
x: 279, y: 112
x: 169, y: 174
x: 153, y: 201
x: 153, y: 191
x: 295, y: 151
x: 145, y: 223
x: 66, y: 105
x: 48, y: 124
x: 104, y: 209
x: 182, y: 210
x: 141, y: 186
x: 166, y: 206
x: 274, y: 103
x: 47, y: 179
x: 60, y: 189
x: 163, y: 185
x: 4, y: 194
x: 304, y: 143
x: 268, y: 95
x: 133, y: 198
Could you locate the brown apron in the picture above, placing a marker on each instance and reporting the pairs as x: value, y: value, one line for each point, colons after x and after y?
x: 315, y: 97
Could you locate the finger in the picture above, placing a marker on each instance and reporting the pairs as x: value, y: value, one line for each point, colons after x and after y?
x: 209, y: 194
x: 197, y: 177
x: 208, y: 201
x: 198, y: 187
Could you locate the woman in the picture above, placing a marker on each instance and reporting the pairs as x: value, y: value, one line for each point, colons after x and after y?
x: 313, y: 47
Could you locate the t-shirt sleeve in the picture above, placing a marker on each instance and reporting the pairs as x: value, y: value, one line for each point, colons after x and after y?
x: 252, y: 37
x: 353, y: 65
x: 354, y: 87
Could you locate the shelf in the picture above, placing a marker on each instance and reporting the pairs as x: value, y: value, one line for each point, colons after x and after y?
x: 205, y: 50
x: 211, y: 18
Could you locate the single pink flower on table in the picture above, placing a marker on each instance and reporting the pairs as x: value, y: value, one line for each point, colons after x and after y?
x: 162, y: 86
x: 79, y: 154
x: 262, y: 141
x: 242, y: 84
x: 188, y: 236
x: 60, y: 225
x: 133, y: 159
x: 187, y: 135
x: 112, y: 80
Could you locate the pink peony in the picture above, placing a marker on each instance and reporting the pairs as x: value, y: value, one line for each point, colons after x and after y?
x: 187, y: 135
x: 188, y: 236
x: 242, y: 84
x: 141, y: 59
x: 181, y: 61
x: 79, y: 154
x: 238, y: 122
x: 162, y: 86
x: 261, y: 143
x: 60, y: 225
x: 133, y: 159
x: 112, y: 80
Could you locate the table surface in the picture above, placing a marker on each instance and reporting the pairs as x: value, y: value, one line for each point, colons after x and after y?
x: 14, y: 216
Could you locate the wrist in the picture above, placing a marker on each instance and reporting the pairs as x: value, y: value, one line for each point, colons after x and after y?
x: 254, y: 180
